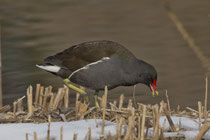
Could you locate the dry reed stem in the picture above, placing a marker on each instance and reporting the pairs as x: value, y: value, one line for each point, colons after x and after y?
x: 48, y: 130
x: 14, y: 108
x: 30, y: 100
x: 75, y: 137
x: 45, y: 98
x: 52, y: 98
x: 169, y: 108
x: 157, y: 120
x: 121, y: 101
x: 168, y: 116
x: 5, y: 108
x: 61, y: 136
x: 178, y: 109
x: 191, y: 43
x: 66, y: 97
x: 35, y: 136
x: 41, y: 95
x: 162, y: 137
x: 139, y: 127
x: 19, y: 102
x: 20, y: 106
x: 95, y: 121
x: 89, y: 133
x: 193, y: 110
x: 37, y: 94
x: 58, y: 98
x: 104, y: 109
x: 134, y: 96
x: 27, y: 136
x: 119, y: 127
x: 129, y: 132
x: 200, y: 114
x: 143, y: 122
x: 203, y: 130
x: 130, y: 104
x: 205, y: 113
x: 164, y: 122
x: 82, y: 109
x: 77, y: 103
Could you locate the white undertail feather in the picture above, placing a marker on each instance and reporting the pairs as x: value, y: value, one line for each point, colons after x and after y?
x: 49, y: 68
x: 88, y: 65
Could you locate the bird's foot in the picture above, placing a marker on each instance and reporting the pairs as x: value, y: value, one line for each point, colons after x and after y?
x: 86, y: 100
x: 96, y: 100
x: 81, y: 91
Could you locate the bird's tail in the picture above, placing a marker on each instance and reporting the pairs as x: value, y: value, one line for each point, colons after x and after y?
x: 49, y: 68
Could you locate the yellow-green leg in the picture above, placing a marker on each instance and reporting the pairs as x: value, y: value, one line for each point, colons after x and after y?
x: 96, y: 99
x: 82, y: 92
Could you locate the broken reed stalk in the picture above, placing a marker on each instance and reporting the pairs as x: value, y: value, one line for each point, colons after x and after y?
x: 130, y: 104
x: 104, y: 109
x: 191, y: 43
x: 77, y: 104
x: 14, y: 108
x: 139, y: 127
x: 27, y: 136
x: 30, y: 100
x: 58, y: 98
x: 200, y: 113
x: 121, y: 101
x: 45, y: 98
x: 193, y: 110
x: 35, y: 136
x: 75, y: 137
x: 52, y: 98
x: 203, y: 130
x: 66, y: 97
x: 143, y: 122
x: 37, y: 94
x: 61, y: 136
x: 168, y: 116
x: 119, y: 127
x: 169, y: 108
x: 48, y: 130
x: 20, y: 104
x: 156, y: 120
x: 129, y: 133
x: 205, y: 113
x: 89, y: 133
x: 41, y: 95
x: 5, y: 108
x: 134, y: 96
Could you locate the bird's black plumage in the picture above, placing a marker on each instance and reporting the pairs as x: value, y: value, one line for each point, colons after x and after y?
x: 97, y: 64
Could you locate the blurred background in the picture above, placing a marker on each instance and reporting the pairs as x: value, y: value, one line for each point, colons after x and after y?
x: 32, y: 30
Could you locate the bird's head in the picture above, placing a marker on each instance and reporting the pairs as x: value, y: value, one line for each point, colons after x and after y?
x: 148, y: 76
x: 150, y: 79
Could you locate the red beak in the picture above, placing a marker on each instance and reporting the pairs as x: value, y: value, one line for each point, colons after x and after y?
x: 153, y: 87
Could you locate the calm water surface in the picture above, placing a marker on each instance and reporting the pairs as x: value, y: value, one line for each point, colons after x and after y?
x: 32, y: 30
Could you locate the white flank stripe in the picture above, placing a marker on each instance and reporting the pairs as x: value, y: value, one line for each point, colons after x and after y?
x: 88, y: 65
x: 49, y: 68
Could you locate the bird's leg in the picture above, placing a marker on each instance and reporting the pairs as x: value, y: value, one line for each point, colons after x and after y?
x: 82, y: 92
x: 96, y: 99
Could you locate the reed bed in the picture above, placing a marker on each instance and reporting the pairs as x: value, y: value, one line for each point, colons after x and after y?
x: 44, y: 105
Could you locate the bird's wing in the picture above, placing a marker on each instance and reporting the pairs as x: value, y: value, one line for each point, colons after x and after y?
x: 83, y: 54
x: 104, y: 72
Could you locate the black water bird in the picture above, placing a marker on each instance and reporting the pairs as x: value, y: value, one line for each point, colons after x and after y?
x: 97, y: 64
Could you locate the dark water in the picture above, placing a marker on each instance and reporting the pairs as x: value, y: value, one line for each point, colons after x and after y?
x: 32, y: 30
